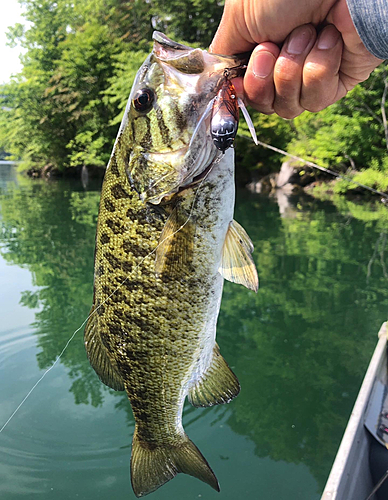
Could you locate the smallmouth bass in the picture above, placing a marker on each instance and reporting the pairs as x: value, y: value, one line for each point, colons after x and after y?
x: 165, y: 241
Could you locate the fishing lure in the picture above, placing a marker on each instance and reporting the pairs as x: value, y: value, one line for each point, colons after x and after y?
x: 224, y: 116
x: 224, y: 111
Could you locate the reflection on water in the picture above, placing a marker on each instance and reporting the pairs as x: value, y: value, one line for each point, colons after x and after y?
x: 299, y: 347
x: 7, y: 174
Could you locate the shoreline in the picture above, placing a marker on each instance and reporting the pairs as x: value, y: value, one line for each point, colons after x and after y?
x: 291, y: 179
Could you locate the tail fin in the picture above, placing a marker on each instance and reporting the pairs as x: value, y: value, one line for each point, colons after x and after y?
x: 152, y: 465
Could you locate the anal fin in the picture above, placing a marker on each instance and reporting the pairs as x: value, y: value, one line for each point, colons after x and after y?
x: 98, y: 356
x: 218, y: 385
x: 237, y: 264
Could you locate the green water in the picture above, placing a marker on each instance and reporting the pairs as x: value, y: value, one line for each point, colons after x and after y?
x: 300, y: 348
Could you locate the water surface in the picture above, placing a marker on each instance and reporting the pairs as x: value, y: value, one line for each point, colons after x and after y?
x: 300, y: 348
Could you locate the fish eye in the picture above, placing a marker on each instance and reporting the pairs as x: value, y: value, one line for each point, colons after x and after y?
x: 143, y: 100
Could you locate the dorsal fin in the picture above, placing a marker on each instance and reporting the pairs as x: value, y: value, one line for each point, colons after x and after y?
x: 237, y: 264
x: 98, y: 356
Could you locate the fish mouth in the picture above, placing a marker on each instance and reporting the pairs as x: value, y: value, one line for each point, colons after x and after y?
x: 191, y: 60
x: 164, y: 154
x: 167, y: 43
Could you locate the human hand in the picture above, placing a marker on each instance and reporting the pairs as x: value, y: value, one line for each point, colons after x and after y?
x: 321, y: 57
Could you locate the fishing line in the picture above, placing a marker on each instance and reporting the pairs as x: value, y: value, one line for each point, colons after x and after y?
x: 42, y: 377
x: 215, y: 162
x: 323, y: 169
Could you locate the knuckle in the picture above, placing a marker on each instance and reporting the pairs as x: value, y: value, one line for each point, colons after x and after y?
x: 314, y: 107
x: 288, y: 114
x: 287, y: 71
x: 266, y: 109
x: 261, y: 99
x: 284, y: 77
x: 316, y: 99
x: 315, y: 72
x: 287, y: 108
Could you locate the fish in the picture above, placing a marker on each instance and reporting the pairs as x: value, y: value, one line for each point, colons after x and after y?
x: 165, y: 241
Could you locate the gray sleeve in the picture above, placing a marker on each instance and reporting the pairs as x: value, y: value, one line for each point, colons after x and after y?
x: 370, y: 17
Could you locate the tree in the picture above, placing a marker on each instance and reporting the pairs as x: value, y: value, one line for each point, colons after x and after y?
x: 63, y: 110
x: 55, y: 112
x: 194, y: 21
x: 350, y: 135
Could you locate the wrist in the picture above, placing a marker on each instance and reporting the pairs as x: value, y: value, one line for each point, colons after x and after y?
x: 344, y: 18
x: 370, y: 20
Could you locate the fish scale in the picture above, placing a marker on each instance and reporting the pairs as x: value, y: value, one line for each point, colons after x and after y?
x: 160, y: 245
x: 143, y: 313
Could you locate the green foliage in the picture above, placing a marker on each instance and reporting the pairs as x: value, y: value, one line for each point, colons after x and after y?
x: 349, y: 135
x: 372, y: 177
x: 56, y: 112
x: 25, y: 129
x: 77, y: 91
x: 3, y: 154
x: 126, y: 65
x: 255, y: 160
x: 81, y: 57
x: 190, y: 20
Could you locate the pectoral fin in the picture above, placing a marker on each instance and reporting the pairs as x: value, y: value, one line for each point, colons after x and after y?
x: 175, y: 249
x: 237, y: 264
x: 98, y: 356
x: 218, y: 385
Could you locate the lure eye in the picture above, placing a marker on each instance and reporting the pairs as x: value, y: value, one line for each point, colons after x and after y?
x: 143, y: 100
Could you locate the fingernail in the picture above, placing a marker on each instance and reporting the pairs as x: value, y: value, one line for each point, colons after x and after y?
x: 263, y: 64
x: 328, y: 38
x: 299, y: 40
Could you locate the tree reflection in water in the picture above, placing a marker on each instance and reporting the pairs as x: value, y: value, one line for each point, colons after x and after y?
x: 299, y: 347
